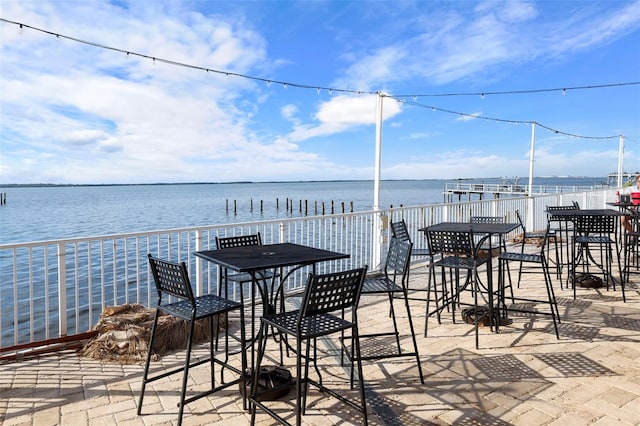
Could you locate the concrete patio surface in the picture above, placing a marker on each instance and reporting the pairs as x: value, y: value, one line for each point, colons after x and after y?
x: 522, y: 375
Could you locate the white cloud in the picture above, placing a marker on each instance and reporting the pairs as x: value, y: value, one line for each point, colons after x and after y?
x: 343, y: 112
x: 467, y: 117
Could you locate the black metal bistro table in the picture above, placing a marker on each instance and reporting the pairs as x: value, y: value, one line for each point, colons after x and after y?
x: 479, y: 229
x: 256, y: 258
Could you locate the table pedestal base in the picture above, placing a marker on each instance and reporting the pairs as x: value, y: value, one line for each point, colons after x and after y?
x: 274, y: 383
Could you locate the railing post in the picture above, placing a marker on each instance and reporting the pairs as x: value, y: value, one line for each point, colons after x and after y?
x: 380, y: 225
x: 199, y: 265
x: 62, y: 290
x: 282, y: 227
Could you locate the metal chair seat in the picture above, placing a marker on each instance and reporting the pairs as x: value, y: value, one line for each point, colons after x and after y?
x: 420, y: 252
x: 593, y: 239
x: 380, y: 284
x: 522, y: 257
x: 205, y: 306
x: 308, y: 327
x: 460, y: 262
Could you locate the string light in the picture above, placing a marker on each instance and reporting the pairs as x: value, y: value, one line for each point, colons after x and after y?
x: 305, y: 86
x: 502, y: 120
x: 330, y: 89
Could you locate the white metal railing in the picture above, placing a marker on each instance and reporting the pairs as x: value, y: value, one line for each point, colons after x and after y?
x: 511, y: 188
x: 50, y: 289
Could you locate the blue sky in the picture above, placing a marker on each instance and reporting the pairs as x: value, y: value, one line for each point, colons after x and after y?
x: 75, y: 113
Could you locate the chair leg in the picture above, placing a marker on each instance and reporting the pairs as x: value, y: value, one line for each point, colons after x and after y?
x: 354, y: 332
x: 299, y: 381
x: 413, y: 335
x: 262, y: 343
x: 145, y: 375
x: 392, y: 313
x: 427, y: 314
x: 553, y: 304
x: 624, y: 299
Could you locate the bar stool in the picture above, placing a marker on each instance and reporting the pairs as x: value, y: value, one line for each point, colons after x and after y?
x: 327, y: 299
x: 172, y: 283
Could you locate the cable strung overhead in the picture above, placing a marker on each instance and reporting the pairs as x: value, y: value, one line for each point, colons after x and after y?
x: 500, y: 120
x: 318, y: 88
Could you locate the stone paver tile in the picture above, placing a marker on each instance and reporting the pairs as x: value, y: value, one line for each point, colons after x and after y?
x: 531, y: 417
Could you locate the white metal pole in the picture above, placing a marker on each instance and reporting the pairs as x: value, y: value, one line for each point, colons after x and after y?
x: 620, y: 161
x: 530, y: 199
x: 531, y: 157
x: 378, y: 160
x: 376, y: 255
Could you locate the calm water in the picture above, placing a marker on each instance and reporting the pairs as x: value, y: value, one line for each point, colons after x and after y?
x: 45, y: 213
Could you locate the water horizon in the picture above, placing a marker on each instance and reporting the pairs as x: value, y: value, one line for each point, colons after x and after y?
x: 60, y: 211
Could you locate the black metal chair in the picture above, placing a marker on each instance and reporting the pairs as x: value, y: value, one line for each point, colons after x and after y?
x: 400, y: 231
x: 546, y: 236
x: 522, y: 258
x: 593, y: 232
x: 496, y: 241
x: 264, y: 278
x: 562, y: 228
x: 326, y: 304
x: 240, y: 278
x: 459, y: 252
x: 391, y: 282
x: 176, y: 298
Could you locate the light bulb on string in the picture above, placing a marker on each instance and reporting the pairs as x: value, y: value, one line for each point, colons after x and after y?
x: 481, y: 95
x: 20, y: 30
x: 285, y: 86
x: 268, y: 83
x: 564, y: 92
x: 318, y: 90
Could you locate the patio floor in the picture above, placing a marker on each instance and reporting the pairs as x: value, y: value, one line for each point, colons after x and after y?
x: 522, y: 375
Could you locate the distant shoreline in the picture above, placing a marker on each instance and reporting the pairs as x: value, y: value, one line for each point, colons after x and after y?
x: 45, y: 185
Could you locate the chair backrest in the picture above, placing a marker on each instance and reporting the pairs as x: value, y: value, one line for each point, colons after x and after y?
x: 524, y: 230
x: 487, y: 219
x: 458, y: 243
x: 595, y: 224
x: 552, y: 209
x: 332, y: 292
x: 398, y: 258
x: 171, y: 278
x: 545, y: 239
x: 399, y: 230
x: 238, y: 241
